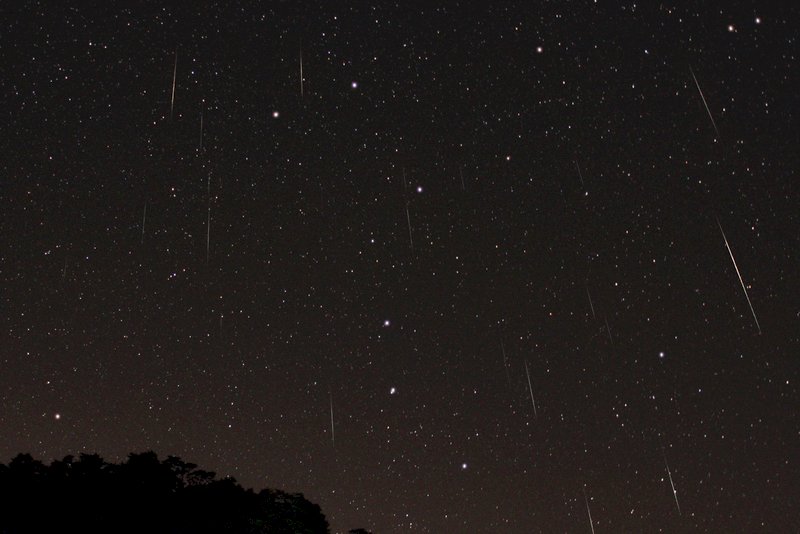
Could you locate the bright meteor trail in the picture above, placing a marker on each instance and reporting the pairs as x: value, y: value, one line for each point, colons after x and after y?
x: 744, y: 288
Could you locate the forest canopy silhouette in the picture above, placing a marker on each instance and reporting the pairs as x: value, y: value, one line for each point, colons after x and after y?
x: 142, y: 494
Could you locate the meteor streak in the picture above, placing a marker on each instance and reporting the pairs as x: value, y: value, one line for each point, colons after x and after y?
x: 586, y: 500
x: 710, y: 116
x: 333, y: 432
x: 580, y: 174
x: 301, y: 70
x: 591, y: 304
x: 530, y: 388
x: 174, y: 80
x: 674, y: 493
x: 144, y: 220
x: 410, y: 236
x: 744, y: 288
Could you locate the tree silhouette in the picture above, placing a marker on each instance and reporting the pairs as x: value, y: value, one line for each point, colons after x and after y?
x: 142, y: 494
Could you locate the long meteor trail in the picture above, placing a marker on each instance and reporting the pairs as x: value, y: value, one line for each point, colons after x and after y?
x: 710, y: 116
x: 744, y: 288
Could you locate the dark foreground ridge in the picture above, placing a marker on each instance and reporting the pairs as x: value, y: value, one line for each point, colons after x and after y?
x: 142, y: 494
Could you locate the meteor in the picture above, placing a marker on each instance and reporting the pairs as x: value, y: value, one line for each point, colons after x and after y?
x: 674, y: 493
x: 710, y: 116
x: 530, y: 388
x: 174, y: 80
x: 744, y: 288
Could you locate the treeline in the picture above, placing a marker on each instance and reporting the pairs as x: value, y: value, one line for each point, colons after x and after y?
x: 143, y: 494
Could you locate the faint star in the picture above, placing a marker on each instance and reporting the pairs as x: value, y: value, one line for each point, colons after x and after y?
x: 354, y: 85
x: 275, y: 114
x: 464, y: 465
x: 392, y: 391
x: 57, y: 416
x: 387, y: 322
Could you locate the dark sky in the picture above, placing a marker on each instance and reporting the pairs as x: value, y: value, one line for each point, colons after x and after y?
x: 467, y: 210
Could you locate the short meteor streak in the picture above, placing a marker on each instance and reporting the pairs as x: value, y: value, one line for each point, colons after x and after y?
x: 674, y: 493
x: 580, y: 174
x: 333, y: 432
x: 586, y: 500
x: 530, y: 388
x: 174, y: 81
x: 144, y: 220
x: 611, y: 339
x: 410, y: 236
x: 744, y: 288
x: 710, y: 116
x: 301, y: 71
x: 591, y: 304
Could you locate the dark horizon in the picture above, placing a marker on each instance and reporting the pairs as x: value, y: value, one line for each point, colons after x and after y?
x: 143, y: 494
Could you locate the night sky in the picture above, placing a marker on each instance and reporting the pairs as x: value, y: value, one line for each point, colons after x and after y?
x: 477, y: 270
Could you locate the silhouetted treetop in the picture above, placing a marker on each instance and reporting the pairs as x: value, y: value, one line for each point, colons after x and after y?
x: 142, y: 494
